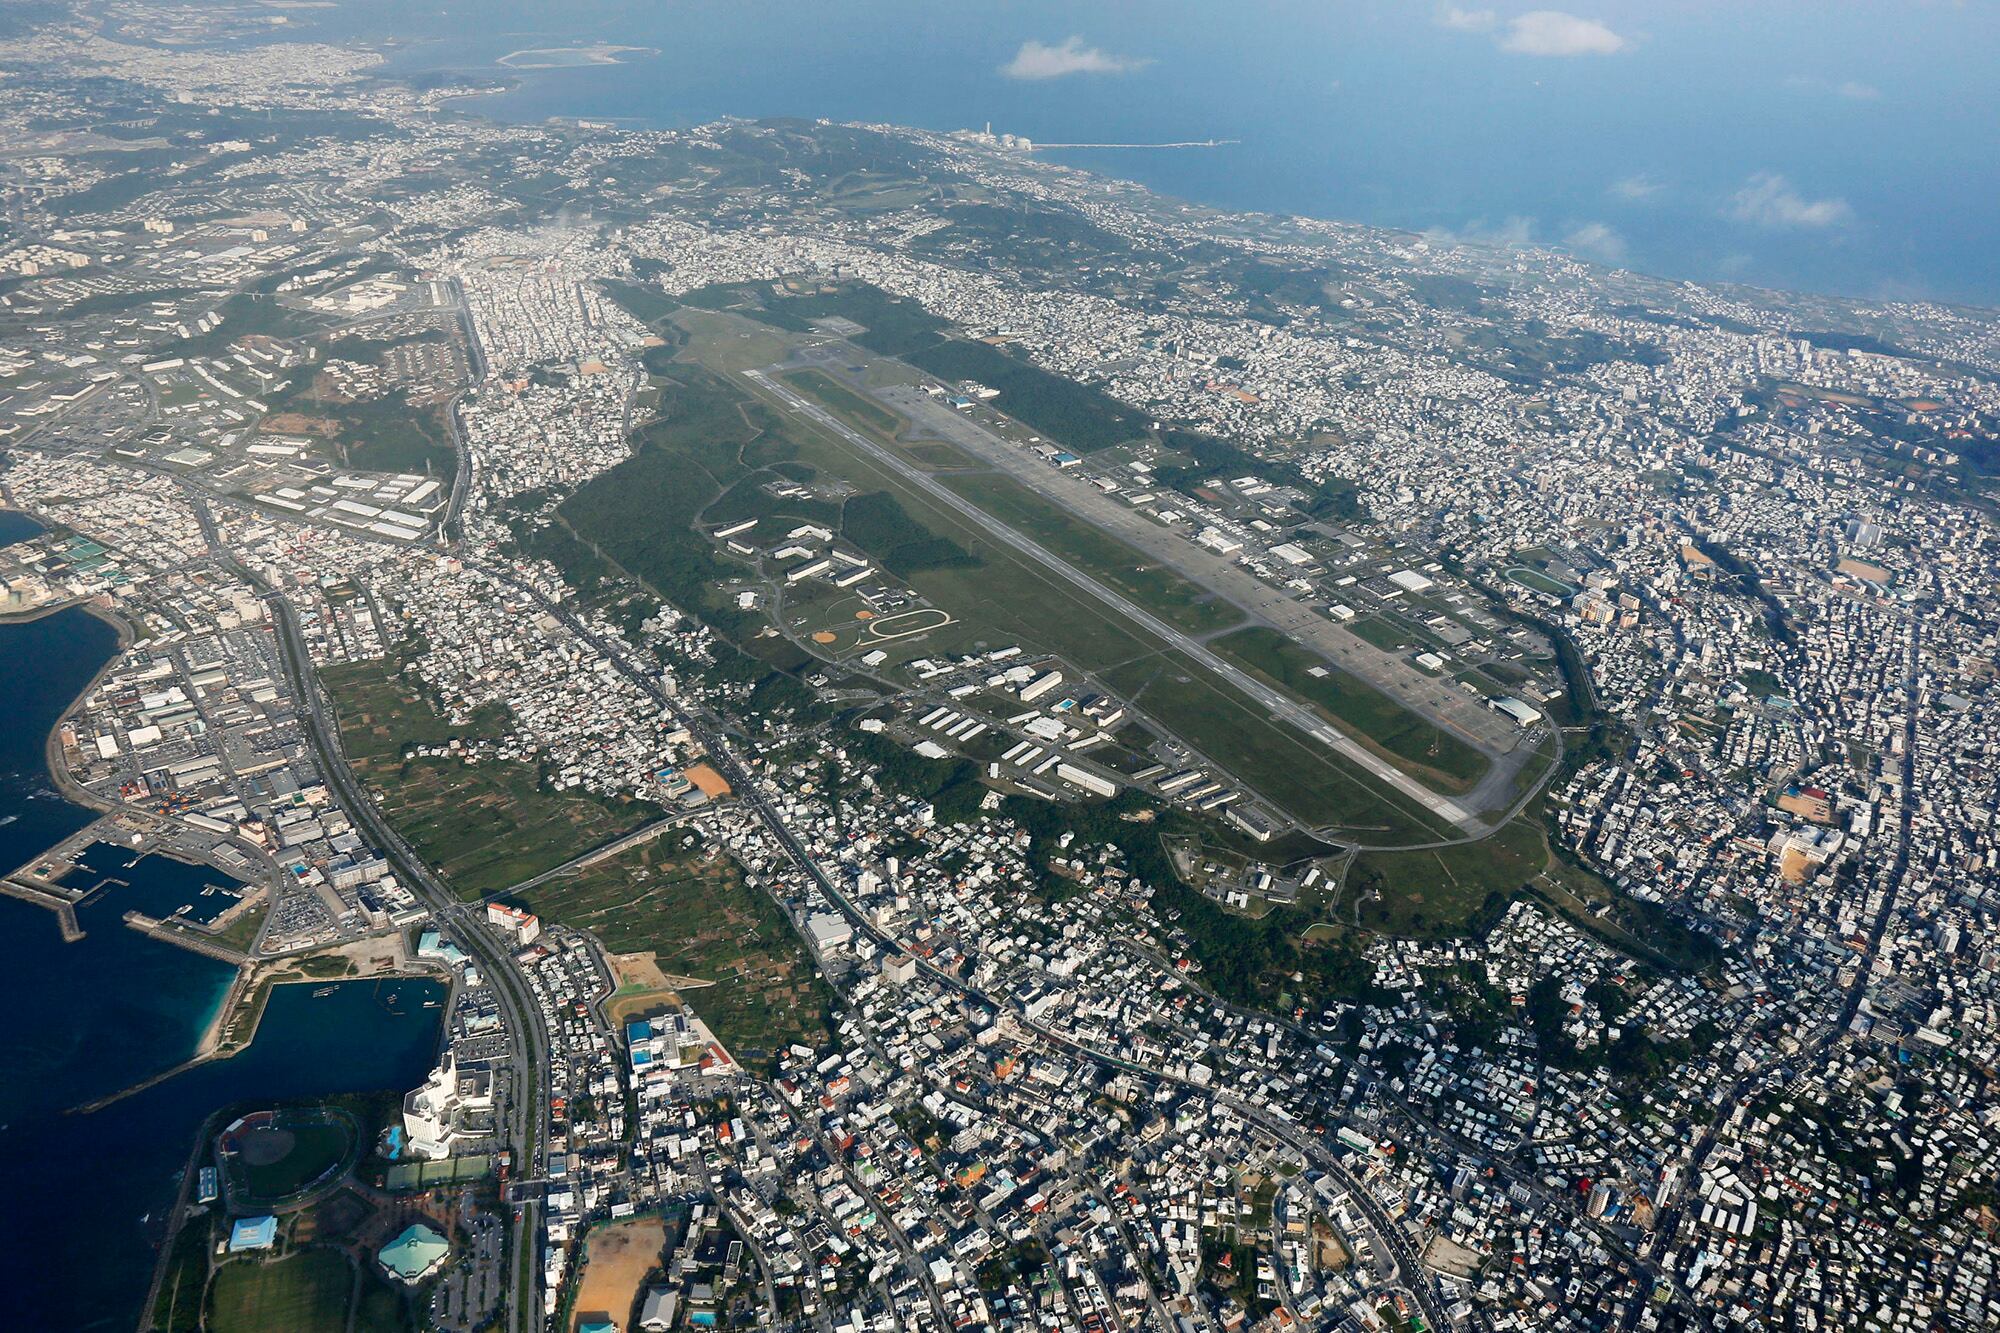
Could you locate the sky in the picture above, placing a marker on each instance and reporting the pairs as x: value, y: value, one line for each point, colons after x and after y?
x: 1840, y: 145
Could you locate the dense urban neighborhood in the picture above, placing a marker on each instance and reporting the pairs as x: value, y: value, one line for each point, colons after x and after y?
x: 971, y: 747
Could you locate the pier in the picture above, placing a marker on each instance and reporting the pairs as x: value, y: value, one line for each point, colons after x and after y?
x: 64, y: 908
x: 186, y: 939
x: 1185, y: 143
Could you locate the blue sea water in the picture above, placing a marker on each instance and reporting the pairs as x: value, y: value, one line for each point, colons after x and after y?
x: 80, y: 1021
x: 1839, y: 148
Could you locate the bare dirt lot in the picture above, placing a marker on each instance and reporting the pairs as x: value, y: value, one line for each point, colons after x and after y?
x: 619, y: 1257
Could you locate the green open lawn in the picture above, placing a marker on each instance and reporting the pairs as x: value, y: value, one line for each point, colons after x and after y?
x: 698, y: 919
x: 1152, y: 585
x: 1418, y: 746
x: 1004, y: 598
x: 1540, y: 582
x: 483, y: 826
x: 1303, y: 777
x: 1390, y: 636
x: 844, y: 402
x: 317, y: 1147
x: 304, y: 1292
x: 1444, y: 891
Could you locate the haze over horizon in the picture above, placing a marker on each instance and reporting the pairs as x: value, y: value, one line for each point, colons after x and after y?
x: 1673, y: 140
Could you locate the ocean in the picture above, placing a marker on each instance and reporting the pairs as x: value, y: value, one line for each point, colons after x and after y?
x: 83, y: 1020
x: 1844, y: 149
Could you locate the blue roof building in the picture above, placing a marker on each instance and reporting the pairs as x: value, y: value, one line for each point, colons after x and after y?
x: 253, y: 1233
x: 414, y: 1255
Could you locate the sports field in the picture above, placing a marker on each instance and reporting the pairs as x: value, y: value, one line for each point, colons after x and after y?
x: 279, y: 1159
x: 304, y: 1292
x: 617, y: 1258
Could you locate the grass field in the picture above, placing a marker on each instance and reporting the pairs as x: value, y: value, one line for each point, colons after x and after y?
x: 1390, y: 636
x: 1421, y: 748
x: 315, y: 1148
x: 844, y: 402
x: 304, y: 1292
x: 1303, y: 777
x: 1008, y: 599
x: 1540, y: 582
x: 1152, y: 585
x: 1443, y: 891
x: 484, y: 827
x: 699, y: 919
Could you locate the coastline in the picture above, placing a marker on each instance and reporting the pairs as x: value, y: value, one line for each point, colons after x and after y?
x: 600, y: 53
x: 232, y: 1024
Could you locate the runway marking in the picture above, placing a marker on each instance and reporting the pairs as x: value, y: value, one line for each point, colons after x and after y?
x: 1296, y: 715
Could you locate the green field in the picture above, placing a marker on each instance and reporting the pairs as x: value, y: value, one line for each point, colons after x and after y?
x: 1074, y: 415
x: 845, y: 402
x: 317, y: 1147
x: 1004, y: 599
x: 1385, y: 726
x: 1540, y: 582
x: 304, y: 1292
x: 1152, y: 585
x: 1300, y: 775
x: 485, y: 826
x: 1388, y: 635
x: 698, y: 919
x: 1444, y: 891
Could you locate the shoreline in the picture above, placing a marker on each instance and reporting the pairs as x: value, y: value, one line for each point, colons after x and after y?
x: 600, y: 53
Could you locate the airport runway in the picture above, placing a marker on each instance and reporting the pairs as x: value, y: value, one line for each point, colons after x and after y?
x: 1429, y: 697
x: 1281, y: 707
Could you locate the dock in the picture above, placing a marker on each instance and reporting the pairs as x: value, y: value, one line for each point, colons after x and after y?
x: 64, y: 908
x: 185, y: 938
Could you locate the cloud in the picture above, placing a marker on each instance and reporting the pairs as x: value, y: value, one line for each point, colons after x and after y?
x: 1467, y: 20
x: 1636, y: 189
x: 1550, y: 32
x: 1039, y: 60
x: 1507, y: 234
x: 1595, y: 240
x: 1854, y: 90
x: 1767, y: 199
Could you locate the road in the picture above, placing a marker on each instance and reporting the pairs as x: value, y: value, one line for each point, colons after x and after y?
x: 527, y: 1110
x: 751, y: 792
x: 1809, y: 1057
x: 1279, y: 706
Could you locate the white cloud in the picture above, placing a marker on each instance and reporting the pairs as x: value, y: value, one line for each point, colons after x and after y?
x: 1854, y: 90
x: 1768, y: 200
x: 1550, y: 32
x: 1636, y: 189
x: 1467, y: 20
x: 1595, y: 240
x: 1507, y: 234
x: 1039, y: 60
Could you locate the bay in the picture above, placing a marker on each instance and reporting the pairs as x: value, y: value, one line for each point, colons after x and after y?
x: 81, y: 1021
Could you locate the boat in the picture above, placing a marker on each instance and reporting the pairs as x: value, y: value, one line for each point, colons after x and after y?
x: 323, y: 990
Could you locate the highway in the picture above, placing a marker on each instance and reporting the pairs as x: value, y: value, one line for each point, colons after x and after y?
x: 1279, y: 706
x: 527, y: 1110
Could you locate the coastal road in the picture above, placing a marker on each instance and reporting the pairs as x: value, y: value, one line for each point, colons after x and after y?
x: 523, y: 1017
x: 1278, y: 705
